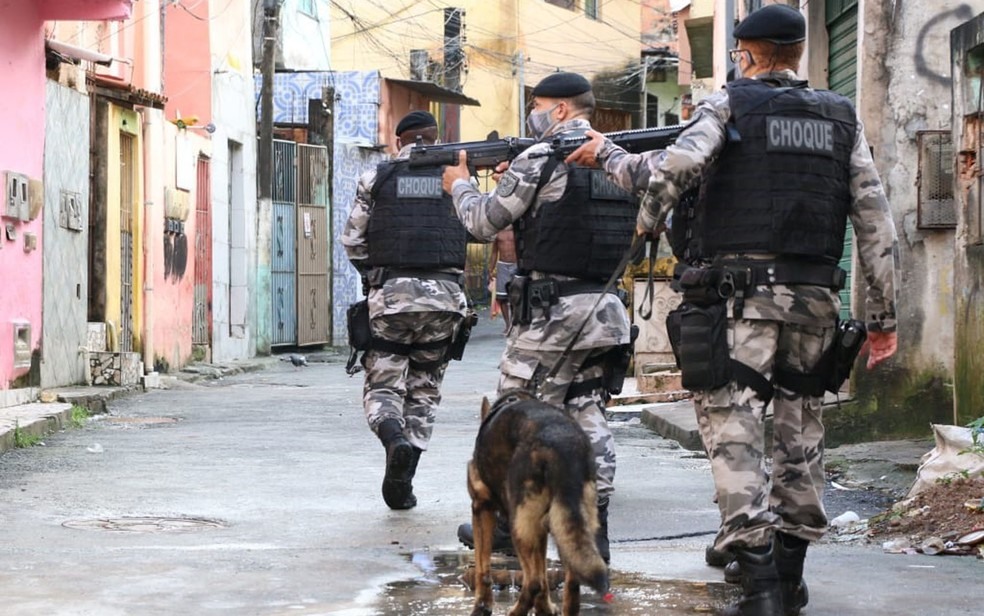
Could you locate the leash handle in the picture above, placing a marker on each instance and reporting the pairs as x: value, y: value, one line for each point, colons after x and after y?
x: 645, y: 308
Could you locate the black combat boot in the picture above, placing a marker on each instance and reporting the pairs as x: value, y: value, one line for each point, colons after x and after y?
x: 717, y: 558
x: 602, y: 537
x: 790, y: 553
x: 760, y: 584
x: 501, y: 536
x: 401, y: 462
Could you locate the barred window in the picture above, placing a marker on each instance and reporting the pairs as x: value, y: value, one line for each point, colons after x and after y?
x: 936, y: 206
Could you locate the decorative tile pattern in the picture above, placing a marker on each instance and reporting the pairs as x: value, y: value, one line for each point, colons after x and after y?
x: 356, y: 113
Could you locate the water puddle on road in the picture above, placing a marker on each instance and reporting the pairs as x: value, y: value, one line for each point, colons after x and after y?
x: 441, y: 591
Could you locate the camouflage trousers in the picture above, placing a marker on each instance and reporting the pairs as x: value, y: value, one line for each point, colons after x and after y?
x: 755, y: 502
x: 407, y: 388
x: 525, y: 369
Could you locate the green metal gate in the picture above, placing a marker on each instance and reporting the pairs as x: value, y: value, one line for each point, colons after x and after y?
x: 842, y: 67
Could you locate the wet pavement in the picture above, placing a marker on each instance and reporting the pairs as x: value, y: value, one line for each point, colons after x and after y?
x: 440, y: 590
x: 258, y: 494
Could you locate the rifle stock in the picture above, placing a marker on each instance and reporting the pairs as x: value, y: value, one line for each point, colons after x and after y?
x: 481, y: 154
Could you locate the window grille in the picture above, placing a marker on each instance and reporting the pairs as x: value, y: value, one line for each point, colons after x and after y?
x: 936, y: 206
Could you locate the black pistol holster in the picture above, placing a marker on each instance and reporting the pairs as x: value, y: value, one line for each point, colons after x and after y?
x: 457, y: 349
x: 359, y: 334
x: 516, y: 290
x: 848, y: 340
x: 617, y: 365
x: 834, y: 366
x: 525, y: 294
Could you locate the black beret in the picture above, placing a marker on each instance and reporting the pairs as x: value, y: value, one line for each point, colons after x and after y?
x: 415, y: 119
x: 776, y: 23
x: 561, y: 85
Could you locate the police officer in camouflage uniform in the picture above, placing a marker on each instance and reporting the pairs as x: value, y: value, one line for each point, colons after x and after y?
x: 570, y: 235
x: 782, y: 168
x: 404, y: 237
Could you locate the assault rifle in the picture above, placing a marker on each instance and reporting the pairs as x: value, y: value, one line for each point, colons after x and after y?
x: 481, y: 154
x: 489, y: 153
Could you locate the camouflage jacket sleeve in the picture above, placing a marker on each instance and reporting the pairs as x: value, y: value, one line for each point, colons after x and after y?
x: 357, y: 226
x: 877, y: 241
x: 484, y: 215
x: 665, y: 174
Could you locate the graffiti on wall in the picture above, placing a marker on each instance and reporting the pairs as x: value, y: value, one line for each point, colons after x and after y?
x: 938, y: 27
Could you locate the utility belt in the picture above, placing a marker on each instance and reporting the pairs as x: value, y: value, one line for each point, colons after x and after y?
x: 379, y: 275
x: 361, y: 340
x: 524, y: 294
x: 698, y: 327
x: 736, y: 278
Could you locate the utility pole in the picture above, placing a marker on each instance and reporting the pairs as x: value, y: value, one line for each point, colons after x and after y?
x: 264, y: 177
x: 644, y: 109
x: 271, y: 29
x: 520, y: 71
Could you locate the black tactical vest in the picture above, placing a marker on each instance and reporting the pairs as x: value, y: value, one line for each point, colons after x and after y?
x: 782, y: 182
x: 413, y: 223
x: 583, y: 234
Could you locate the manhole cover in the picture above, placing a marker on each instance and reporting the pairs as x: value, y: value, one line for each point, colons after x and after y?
x: 146, y: 525
x: 142, y: 421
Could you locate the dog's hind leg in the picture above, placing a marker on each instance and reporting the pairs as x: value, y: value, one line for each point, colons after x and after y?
x: 530, y: 540
x: 483, y: 523
x: 572, y: 594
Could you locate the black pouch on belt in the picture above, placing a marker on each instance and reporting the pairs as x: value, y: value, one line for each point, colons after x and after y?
x: 699, y: 337
x: 358, y: 326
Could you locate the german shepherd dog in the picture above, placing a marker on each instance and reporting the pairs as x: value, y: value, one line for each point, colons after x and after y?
x: 533, y: 463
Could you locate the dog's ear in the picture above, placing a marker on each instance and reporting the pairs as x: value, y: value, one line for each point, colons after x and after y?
x: 486, y: 407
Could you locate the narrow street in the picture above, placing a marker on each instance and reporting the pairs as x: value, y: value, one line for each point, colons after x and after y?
x: 259, y: 494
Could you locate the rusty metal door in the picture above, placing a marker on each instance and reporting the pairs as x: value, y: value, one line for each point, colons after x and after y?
x: 284, y: 249
x: 201, y: 320
x: 127, y: 195
x: 313, y: 246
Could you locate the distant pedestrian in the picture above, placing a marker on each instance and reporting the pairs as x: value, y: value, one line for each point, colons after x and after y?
x: 502, y: 267
x: 784, y: 167
x: 405, y: 238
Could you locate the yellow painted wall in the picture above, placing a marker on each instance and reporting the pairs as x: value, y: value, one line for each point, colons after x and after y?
x: 123, y: 120
x: 366, y: 37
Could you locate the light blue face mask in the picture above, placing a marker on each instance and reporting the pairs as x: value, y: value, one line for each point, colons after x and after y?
x: 538, y: 122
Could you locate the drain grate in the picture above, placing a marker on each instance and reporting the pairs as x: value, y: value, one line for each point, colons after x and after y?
x: 146, y: 524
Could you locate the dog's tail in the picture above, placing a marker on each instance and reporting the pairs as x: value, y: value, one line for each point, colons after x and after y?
x: 574, y: 525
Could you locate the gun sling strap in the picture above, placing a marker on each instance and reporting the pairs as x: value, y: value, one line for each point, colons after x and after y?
x: 610, y: 284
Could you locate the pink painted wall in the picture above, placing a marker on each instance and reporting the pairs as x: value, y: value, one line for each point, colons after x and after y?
x: 188, y: 63
x: 92, y: 10
x: 21, y: 151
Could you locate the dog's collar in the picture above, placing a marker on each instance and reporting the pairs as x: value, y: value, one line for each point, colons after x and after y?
x: 508, y: 398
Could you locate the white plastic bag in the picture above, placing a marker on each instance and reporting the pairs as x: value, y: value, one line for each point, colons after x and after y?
x: 945, y: 460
